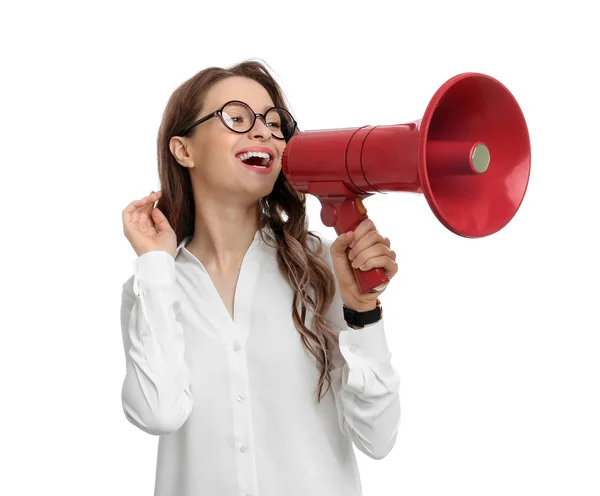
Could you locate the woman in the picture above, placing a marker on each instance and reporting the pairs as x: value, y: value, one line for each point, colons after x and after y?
x: 236, y: 387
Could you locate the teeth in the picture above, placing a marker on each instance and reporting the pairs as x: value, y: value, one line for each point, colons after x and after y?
x: 265, y: 156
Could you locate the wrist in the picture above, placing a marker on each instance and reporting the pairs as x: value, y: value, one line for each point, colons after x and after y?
x: 358, y: 316
x: 362, y: 308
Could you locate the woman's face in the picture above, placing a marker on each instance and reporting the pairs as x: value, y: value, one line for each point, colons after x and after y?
x: 214, y: 150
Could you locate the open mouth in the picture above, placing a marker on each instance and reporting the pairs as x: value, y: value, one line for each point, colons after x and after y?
x: 259, y: 160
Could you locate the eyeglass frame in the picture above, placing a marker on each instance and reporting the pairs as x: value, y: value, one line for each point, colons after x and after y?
x: 219, y: 113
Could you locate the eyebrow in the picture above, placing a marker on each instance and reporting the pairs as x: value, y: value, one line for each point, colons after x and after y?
x: 264, y: 108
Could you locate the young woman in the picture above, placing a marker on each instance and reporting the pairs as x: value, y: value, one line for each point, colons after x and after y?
x: 237, y: 352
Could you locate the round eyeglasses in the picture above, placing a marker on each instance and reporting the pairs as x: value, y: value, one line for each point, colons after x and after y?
x: 240, y: 118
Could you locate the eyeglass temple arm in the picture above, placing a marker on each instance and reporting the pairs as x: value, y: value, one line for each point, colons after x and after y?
x: 199, y: 121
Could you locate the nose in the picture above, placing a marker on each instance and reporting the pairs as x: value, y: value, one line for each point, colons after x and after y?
x: 260, y: 129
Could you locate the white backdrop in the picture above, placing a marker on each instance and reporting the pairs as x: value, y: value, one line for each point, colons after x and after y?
x: 496, y: 340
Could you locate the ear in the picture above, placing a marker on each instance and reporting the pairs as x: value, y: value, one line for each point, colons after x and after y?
x: 179, y: 149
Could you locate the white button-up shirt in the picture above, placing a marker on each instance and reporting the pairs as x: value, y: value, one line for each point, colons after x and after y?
x: 234, y: 400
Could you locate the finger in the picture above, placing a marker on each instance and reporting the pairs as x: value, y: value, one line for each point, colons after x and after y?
x: 135, y: 216
x: 130, y: 210
x: 146, y: 216
x: 370, y: 239
x: 143, y: 215
x: 340, y: 245
x: 363, y: 228
x: 131, y: 213
x: 360, y: 241
x: 377, y: 250
x: 160, y: 220
x: 135, y: 204
x: 386, y: 263
x: 148, y: 203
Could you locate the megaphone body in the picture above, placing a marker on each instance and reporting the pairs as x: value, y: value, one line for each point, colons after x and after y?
x: 469, y: 155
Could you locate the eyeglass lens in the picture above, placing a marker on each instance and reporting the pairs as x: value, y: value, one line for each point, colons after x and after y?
x: 240, y: 118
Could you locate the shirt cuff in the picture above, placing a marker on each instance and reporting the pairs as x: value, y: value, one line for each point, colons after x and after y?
x: 365, y: 347
x: 153, y: 268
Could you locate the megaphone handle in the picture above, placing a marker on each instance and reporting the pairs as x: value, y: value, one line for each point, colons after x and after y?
x: 371, y: 280
x: 345, y: 214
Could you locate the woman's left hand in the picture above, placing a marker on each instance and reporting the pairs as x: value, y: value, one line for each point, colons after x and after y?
x: 369, y: 250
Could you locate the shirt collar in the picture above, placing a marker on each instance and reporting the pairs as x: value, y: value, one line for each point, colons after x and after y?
x: 267, y: 232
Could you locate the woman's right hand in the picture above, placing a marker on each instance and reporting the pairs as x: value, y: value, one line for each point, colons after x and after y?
x: 147, y: 228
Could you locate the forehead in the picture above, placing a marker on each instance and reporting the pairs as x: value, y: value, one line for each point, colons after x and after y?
x: 238, y: 88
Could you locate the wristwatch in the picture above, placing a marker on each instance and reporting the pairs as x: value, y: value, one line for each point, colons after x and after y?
x: 361, y: 319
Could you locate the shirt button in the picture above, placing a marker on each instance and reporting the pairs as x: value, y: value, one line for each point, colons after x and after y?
x: 353, y: 349
x: 243, y: 448
x: 240, y: 397
x: 236, y: 347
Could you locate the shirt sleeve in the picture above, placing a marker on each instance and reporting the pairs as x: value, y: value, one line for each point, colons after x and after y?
x: 366, y: 385
x: 156, y: 393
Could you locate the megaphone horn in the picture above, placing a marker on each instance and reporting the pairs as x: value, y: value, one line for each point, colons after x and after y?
x: 469, y: 155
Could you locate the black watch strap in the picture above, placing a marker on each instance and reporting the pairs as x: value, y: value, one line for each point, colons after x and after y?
x: 361, y: 319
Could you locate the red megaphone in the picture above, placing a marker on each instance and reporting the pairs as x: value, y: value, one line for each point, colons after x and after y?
x: 469, y: 155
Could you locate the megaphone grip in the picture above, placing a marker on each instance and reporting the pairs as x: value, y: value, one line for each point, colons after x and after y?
x: 344, y: 213
x: 374, y: 279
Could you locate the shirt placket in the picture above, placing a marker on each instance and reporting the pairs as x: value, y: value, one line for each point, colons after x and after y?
x: 245, y: 452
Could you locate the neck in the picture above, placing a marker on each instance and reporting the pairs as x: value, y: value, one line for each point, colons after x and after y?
x: 221, y: 239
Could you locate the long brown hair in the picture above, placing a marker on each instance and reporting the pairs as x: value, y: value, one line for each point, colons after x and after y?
x: 304, y: 268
